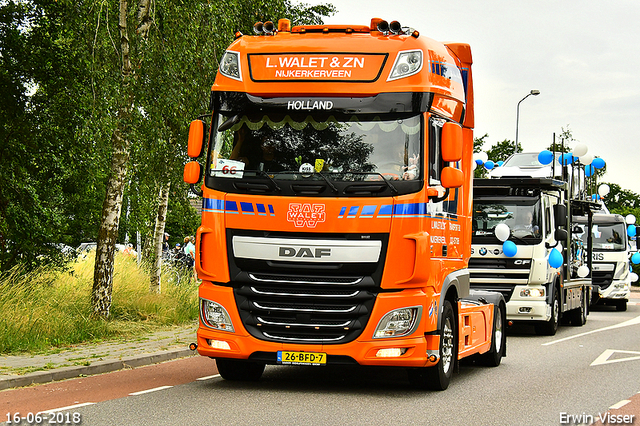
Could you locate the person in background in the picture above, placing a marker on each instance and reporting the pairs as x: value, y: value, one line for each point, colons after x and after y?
x: 190, y: 250
x: 165, y: 243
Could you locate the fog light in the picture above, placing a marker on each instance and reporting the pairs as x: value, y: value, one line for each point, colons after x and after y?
x: 213, y: 315
x: 390, y: 352
x: 218, y: 344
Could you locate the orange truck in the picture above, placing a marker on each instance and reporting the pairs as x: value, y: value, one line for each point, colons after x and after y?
x: 336, y: 176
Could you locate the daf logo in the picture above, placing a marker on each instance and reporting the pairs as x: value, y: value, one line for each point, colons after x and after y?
x: 304, y: 252
x: 483, y: 251
x: 522, y: 262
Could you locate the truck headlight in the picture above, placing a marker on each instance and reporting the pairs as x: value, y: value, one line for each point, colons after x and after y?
x: 398, y: 323
x: 407, y: 63
x: 230, y: 65
x: 215, y: 316
x: 532, y: 292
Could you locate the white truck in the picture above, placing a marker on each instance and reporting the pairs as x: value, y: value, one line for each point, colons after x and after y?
x: 610, y: 254
x: 538, y: 212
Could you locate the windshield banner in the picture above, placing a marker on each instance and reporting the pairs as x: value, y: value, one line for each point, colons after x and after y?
x: 361, y: 67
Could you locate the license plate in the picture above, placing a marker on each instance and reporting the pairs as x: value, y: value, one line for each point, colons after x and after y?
x: 302, y: 358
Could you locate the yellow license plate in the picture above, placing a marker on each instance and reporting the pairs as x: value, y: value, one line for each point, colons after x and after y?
x: 302, y: 358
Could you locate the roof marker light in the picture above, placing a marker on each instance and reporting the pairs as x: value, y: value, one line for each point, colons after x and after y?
x: 258, y: 27
x: 383, y: 27
x: 395, y: 27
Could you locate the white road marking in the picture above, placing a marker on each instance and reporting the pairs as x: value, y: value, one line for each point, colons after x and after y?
x: 633, y: 321
x: 209, y: 377
x: 619, y: 404
x: 604, y: 357
x: 150, y: 390
x: 70, y: 407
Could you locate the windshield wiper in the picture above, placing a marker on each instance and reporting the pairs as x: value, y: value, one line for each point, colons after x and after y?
x: 263, y: 173
x: 326, y: 179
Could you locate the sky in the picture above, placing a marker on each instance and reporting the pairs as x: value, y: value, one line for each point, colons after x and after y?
x: 583, y: 57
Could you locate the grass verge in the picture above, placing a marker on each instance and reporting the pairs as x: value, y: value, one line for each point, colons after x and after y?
x: 46, y: 309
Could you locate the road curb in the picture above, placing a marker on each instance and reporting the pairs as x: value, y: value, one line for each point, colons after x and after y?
x: 98, y: 367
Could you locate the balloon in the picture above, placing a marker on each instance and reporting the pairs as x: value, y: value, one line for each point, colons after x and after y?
x: 555, y: 258
x: 478, y: 162
x: 509, y: 248
x: 598, y: 163
x: 603, y: 190
x: 565, y: 159
x: 502, y: 231
x: 634, y: 277
x: 631, y: 230
x: 489, y: 165
x: 500, y: 163
x: 583, y: 271
x: 474, y: 165
x: 589, y: 170
x: 483, y: 156
x: 580, y: 150
x: 545, y: 157
x: 586, y: 159
x: 630, y: 219
x: 595, y: 197
x: 635, y: 259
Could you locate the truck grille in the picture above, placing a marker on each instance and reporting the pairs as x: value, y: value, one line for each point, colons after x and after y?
x: 603, y: 279
x: 295, y: 314
x: 500, y: 275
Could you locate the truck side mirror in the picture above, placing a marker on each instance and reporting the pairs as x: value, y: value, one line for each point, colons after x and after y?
x: 451, y: 178
x: 560, y: 234
x: 560, y: 215
x: 451, y: 142
x: 196, y: 138
x: 192, y: 172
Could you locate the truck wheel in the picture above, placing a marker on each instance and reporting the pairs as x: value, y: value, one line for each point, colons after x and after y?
x: 493, y: 357
x: 579, y: 315
x: 550, y: 327
x: 621, y: 305
x: 239, y: 369
x: 438, y: 377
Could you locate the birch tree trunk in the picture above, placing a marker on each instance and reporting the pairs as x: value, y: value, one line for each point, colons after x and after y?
x: 158, y: 237
x: 112, y: 205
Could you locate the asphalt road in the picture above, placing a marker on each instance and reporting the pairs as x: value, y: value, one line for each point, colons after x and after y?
x: 571, y: 378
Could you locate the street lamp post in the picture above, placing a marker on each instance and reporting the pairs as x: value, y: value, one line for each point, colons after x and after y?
x: 534, y: 93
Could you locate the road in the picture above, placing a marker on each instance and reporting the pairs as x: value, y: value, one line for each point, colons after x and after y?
x: 569, y: 378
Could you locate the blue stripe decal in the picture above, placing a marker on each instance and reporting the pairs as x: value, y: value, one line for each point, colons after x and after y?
x: 261, y: 210
x: 353, y: 211
x: 247, y: 208
x: 212, y: 205
x: 400, y: 210
x: 368, y: 211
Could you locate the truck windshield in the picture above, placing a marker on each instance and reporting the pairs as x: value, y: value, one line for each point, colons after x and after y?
x: 341, y: 148
x: 605, y: 236
x: 522, y: 216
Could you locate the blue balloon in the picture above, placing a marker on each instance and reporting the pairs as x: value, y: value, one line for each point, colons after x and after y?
x: 509, y: 248
x: 545, y: 157
x: 566, y: 159
x: 631, y: 230
x: 598, y: 163
x: 500, y: 163
x: 555, y: 258
x: 635, y: 259
x: 589, y: 170
x: 489, y: 165
x: 479, y: 162
x: 595, y: 197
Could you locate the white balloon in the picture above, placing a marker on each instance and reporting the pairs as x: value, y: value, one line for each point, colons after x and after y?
x: 630, y: 219
x: 580, y: 150
x: 634, y: 277
x: 474, y: 165
x: 583, y: 271
x: 483, y: 156
x: 586, y: 159
x: 502, y: 232
x: 603, y: 190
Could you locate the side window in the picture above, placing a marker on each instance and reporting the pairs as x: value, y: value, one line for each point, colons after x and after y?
x: 435, y: 155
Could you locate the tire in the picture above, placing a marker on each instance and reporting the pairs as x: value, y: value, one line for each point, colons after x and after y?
x: 438, y: 377
x: 493, y: 357
x: 550, y: 327
x: 239, y: 370
x: 579, y: 316
x: 621, y: 305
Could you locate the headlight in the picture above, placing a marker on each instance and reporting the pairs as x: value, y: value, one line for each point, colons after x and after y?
x: 407, y: 63
x: 230, y: 65
x: 398, y: 323
x: 532, y: 292
x: 215, y: 316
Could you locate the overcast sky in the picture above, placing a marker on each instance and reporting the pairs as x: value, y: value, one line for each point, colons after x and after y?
x: 583, y: 57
